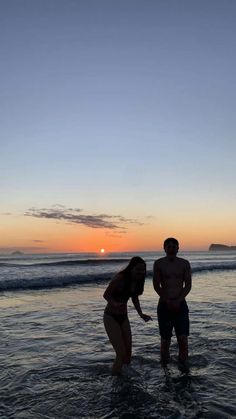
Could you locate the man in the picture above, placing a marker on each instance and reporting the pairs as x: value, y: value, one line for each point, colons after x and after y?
x: 172, y: 282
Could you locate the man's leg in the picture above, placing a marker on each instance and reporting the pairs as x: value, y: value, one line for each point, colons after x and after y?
x: 183, y: 348
x: 182, y: 333
x: 165, y: 328
x: 165, y: 350
x: 183, y: 363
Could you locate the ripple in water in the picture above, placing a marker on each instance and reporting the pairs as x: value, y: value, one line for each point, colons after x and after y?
x: 55, y: 360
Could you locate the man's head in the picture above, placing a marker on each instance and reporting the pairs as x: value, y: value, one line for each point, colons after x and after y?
x: 171, y: 246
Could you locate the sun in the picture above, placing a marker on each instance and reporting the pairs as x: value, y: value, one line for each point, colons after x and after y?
x: 102, y: 250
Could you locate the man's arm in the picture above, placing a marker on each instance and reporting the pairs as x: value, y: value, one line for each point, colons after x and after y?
x: 187, y: 281
x: 157, y: 278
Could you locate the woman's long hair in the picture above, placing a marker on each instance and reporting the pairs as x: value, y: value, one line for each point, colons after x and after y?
x: 126, y: 272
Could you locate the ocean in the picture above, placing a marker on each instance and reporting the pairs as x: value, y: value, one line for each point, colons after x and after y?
x: 55, y: 357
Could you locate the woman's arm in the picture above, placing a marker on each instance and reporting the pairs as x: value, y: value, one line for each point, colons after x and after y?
x: 136, y: 304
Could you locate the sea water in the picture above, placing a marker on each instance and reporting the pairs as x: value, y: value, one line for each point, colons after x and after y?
x: 55, y: 357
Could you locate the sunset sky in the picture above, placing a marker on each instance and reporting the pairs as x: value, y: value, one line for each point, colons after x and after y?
x: 117, y: 124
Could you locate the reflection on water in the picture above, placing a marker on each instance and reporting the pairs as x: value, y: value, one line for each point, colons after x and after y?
x: 55, y: 360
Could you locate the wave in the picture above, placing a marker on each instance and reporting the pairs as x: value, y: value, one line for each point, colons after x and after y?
x: 54, y: 282
x: 215, y: 267
x: 91, y: 262
x: 99, y: 262
x: 88, y: 279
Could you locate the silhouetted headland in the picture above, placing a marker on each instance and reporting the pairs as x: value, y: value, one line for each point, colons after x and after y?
x: 214, y: 247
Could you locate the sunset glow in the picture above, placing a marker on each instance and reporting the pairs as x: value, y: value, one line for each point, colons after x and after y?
x: 124, y: 135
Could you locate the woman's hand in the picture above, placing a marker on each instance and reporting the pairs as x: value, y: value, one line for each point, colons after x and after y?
x: 145, y: 317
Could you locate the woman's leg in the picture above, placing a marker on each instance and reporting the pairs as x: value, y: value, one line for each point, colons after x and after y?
x: 115, y: 336
x: 127, y: 337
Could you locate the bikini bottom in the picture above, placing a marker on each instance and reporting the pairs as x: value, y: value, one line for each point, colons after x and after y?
x: 118, y: 317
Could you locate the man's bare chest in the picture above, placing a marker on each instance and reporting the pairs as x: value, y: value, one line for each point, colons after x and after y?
x: 174, y: 271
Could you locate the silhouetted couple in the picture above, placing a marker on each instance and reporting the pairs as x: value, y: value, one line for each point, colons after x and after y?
x: 172, y: 282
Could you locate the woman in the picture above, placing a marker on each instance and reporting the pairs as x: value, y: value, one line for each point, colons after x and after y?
x: 128, y: 283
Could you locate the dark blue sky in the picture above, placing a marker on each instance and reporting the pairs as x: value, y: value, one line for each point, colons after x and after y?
x: 106, y: 101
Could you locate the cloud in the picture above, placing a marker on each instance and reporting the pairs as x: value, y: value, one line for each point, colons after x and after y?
x: 38, y: 241
x: 22, y: 249
x: 115, y: 235
x: 75, y: 216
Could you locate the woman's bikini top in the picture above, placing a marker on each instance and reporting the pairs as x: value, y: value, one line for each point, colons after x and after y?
x: 122, y: 293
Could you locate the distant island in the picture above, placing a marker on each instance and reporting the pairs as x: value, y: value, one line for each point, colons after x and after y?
x: 214, y: 247
x: 17, y: 253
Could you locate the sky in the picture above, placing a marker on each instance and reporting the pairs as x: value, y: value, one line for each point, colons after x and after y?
x: 117, y: 124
